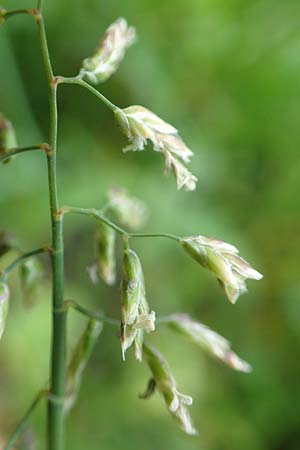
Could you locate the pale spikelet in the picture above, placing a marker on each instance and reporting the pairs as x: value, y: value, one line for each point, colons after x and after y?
x: 31, y: 274
x: 208, y: 340
x: 184, y: 178
x: 139, y: 125
x: 4, y: 304
x: 223, y: 260
x: 79, y: 359
x: 136, y: 317
x: 110, y: 52
x: 105, y: 238
x: 176, y: 402
x: 8, y: 138
x: 129, y: 211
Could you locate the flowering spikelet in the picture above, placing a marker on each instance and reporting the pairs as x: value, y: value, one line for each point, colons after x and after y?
x: 184, y: 177
x: 223, y: 260
x: 105, y: 239
x: 4, y: 303
x: 130, y: 211
x: 79, y: 359
x: 208, y: 340
x: 110, y: 52
x: 7, y: 136
x: 31, y: 273
x: 176, y: 402
x: 136, y: 317
x: 139, y: 125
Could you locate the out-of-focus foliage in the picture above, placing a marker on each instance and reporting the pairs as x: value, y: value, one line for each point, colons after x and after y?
x: 226, y: 74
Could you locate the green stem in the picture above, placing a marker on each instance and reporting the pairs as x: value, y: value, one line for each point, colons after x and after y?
x: 15, y: 151
x: 91, y: 314
x: 22, y: 258
x: 59, y: 320
x: 21, y: 425
x: 45, y: 50
x: 80, y: 82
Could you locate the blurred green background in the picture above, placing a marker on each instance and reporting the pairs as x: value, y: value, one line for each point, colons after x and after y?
x: 226, y: 73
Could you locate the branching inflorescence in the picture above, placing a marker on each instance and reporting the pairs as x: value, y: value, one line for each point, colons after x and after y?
x: 122, y: 215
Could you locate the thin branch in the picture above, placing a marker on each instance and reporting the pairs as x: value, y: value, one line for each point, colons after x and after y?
x: 21, y: 425
x: 95, y: 214
x: 15, y: 151
x: 6, y: 14
x: 80, y: 82
x: 20, y: 259
x: 98, y: 215
x: 154, y: 235
x: 45, y: 50
x: 101, y: 317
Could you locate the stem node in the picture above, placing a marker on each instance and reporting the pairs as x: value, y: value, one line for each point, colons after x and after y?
x: 34, y: 12
x: 55, y: 81
x: 57, y: 215
x: 46, y: 147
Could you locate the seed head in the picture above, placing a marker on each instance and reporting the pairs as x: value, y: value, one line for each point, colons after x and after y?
x: 208, y: 340
x: 136, y: 317
x: 105, y: 239
x: 129, y: 211
x: 31, y: 273
x: 139, y: 125
x: 110, y: 52
x: 79, y: 359
x: 223, y: 260
x: 7, y: 136
x: 4, y: 304
x: 176, y: 402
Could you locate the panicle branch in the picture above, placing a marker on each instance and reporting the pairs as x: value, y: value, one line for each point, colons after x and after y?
x: 99, y: 316
x: 10, y: 153
x: 21, y: 259
x: 6, y: 14
x: 97, y: 214
x: 140, y: 126
x: 22, y: 423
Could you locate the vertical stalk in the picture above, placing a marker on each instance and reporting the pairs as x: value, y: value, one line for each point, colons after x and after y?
x: 58, y: 346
